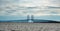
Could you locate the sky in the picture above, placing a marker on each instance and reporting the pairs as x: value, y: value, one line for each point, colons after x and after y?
x: 17, y: 9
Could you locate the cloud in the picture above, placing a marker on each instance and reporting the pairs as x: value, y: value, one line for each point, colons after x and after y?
x: 55, y: 3
x: 21, y: 7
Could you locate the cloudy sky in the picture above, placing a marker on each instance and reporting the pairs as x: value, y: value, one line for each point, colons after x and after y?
x: 21, y: 8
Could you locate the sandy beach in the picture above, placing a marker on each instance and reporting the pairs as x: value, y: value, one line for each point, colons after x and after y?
x: 9, y: 26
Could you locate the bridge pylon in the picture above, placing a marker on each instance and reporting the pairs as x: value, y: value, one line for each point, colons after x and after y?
x: 30, y: 18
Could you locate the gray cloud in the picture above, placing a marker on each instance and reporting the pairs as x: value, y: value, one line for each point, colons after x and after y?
x: 21, y: 7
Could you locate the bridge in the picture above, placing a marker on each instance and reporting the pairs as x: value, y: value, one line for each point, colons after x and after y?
x: 30, y: 18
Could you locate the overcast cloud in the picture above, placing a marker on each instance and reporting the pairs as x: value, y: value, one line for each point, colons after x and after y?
x: 21, y: 7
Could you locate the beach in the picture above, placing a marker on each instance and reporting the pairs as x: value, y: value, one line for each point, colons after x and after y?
x: 13, y: 26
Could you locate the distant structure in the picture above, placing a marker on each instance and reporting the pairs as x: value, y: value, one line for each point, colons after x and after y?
x: 27, y: 17
x: 30, y: 18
